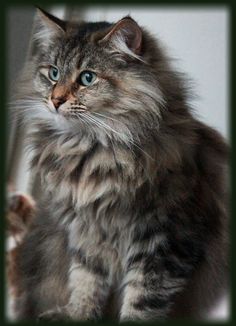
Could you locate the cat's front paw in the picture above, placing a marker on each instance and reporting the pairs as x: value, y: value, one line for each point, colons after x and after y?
x: 57, y: 314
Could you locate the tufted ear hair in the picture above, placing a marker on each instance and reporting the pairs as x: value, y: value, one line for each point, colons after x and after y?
x: 46, y: 26
x: 125, y: 36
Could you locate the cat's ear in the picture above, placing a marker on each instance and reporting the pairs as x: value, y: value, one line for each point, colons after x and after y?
x: 126, y: 36
x: 46, y: 26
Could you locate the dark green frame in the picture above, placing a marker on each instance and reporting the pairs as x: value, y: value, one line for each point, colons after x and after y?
x: 231, y: 5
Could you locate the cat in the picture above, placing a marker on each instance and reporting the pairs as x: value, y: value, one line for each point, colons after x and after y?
x: 134, y: 187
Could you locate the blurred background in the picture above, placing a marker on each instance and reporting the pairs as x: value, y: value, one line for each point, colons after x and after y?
x: 196, y: 38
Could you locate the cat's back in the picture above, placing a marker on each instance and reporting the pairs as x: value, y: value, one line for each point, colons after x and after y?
x: 210, y: 281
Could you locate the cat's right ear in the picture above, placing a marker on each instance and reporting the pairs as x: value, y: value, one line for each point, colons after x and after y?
x: 126, y: 37
x: 46, y: 27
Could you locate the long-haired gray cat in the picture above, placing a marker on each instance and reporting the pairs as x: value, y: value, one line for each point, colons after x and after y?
x: 134, y: 206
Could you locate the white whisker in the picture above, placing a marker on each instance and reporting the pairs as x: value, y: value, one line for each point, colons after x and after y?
x: 129, y: 140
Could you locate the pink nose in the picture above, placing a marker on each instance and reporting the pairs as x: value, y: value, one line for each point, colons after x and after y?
x: 57, y: 101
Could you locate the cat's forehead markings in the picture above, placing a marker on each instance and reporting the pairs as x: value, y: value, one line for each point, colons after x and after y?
x: 84, y: 64
x: 71, y: 57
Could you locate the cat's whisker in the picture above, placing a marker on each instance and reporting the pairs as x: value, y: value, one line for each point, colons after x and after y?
x: 26, y: 99
x: 103, y: 124
x: 105, y: 130
x: 133, y: 143
x: 107, y: 117
x: 84, y: 119
x: 115, y: 120
x: 129, y: 140
x: 94, y: 122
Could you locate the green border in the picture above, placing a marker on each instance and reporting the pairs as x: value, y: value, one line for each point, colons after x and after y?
x: 232, y: 119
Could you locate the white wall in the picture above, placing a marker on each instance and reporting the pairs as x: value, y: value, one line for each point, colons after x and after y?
x: 197, y: 37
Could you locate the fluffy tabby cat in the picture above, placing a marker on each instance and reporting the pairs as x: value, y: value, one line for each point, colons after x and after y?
x: 134, y: 186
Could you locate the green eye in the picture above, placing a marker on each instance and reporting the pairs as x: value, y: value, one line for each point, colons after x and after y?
x: 87, y: 78
x: 53, y: 73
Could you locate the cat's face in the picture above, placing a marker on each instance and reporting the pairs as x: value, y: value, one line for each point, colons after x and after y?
x: 84, y: 78
x: 93, y: 73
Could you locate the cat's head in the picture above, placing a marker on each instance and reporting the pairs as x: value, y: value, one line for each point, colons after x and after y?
x: 96, y: 76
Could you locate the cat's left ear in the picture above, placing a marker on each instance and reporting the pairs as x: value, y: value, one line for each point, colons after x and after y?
x: 47, y: 26
x: 126, y: 36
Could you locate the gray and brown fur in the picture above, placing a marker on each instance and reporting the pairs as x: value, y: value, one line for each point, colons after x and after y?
x: 134, y: 186
x: 20, y: 212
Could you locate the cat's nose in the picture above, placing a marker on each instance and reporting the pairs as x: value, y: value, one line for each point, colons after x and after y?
x: 57, y: 101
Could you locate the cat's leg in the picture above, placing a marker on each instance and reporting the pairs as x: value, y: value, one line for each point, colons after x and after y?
x: 153, y: 279
x: 89, y: 289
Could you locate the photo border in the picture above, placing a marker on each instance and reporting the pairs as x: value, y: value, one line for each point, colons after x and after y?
x: 4, y: 5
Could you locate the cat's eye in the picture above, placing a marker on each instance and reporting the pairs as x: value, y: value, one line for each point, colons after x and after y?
x: 87, y: 78
x: 54, y: 73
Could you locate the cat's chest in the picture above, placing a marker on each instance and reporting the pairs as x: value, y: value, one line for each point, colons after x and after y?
x: 107, y: 233
x: 88, y: 173
x: 98, y: 241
